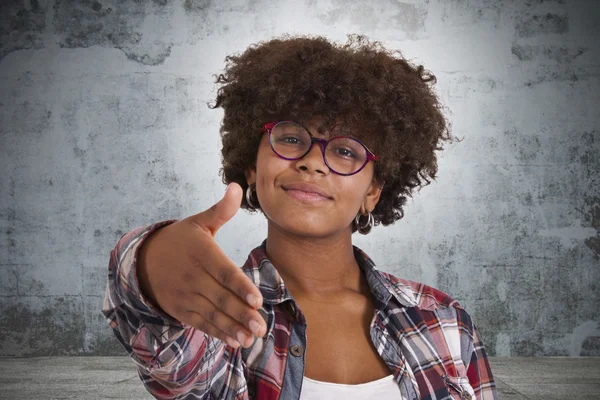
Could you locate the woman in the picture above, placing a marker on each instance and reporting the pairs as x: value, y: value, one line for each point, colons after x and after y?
x: 324, y: 140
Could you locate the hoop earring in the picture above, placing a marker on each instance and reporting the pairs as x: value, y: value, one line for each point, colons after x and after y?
x: 363, y: 230
x: 249, y: 191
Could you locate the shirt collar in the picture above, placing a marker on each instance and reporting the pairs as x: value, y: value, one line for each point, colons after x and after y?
x: 264, y: 275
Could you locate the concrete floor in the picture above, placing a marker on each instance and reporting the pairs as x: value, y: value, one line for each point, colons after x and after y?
x: 531, y: 378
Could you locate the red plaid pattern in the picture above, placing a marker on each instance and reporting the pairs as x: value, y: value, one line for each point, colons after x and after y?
x: 427, y: 339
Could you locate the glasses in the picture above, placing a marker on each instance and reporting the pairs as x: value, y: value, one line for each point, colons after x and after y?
x: 344, y: 155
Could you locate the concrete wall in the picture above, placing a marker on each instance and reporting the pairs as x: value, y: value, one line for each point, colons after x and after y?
x: 104, y: 128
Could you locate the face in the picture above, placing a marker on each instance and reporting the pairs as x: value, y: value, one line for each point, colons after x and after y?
x: 304, y: 197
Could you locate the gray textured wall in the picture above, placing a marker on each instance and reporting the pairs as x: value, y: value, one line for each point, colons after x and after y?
x: 104, y: 128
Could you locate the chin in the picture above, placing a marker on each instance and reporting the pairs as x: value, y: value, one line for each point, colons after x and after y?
x: 305, y: 227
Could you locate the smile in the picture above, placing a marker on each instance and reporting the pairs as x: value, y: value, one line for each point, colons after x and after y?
x: 310, y: 197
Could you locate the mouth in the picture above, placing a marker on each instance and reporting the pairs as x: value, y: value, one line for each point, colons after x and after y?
x: 306, y: 192
x: 305, y: 196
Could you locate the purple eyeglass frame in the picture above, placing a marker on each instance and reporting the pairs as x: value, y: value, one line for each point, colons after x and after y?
x: 324, y: 142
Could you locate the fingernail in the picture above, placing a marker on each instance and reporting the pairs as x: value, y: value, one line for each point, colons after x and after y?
x: 241, y: 337
x: 254, y: 327
x: 232, y: 342
x: 252, y: 300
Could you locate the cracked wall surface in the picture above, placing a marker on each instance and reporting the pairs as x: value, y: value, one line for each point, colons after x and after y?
x: 104, y: 127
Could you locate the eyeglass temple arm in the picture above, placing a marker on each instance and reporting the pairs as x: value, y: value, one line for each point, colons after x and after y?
x: 269, y: 126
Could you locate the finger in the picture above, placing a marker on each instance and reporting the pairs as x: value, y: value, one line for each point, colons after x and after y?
x: 200, y: 323
x: 224, y: 301
x: 229, y: 275
x: 222, y: 211
x: 224, y: 322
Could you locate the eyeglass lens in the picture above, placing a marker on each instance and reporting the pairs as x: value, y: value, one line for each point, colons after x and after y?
x: 343, y: 155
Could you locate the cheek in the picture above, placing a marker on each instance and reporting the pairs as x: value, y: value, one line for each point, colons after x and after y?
x: 352, y: 196
x: 355, y: 191
x: 268, y: 165
x: 269, y: 168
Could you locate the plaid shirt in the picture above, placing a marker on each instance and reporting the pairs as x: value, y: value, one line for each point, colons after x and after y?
x: 426, y: 338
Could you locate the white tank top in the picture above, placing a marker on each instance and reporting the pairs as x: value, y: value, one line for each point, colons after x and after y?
x: 382, y: 389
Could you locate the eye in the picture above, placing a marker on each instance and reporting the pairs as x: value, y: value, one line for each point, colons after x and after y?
x: 344, y: 152
x: 293, y: 140
x: 290, y: 140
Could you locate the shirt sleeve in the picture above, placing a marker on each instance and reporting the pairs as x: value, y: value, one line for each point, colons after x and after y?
x: 172, y: 358
x: 479, y: 371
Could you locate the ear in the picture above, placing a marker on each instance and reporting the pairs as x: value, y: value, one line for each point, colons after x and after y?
x: 251, y: 175
x: 372, y: 196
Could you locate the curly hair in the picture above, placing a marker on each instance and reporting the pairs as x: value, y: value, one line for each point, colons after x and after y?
x: 361, y: 87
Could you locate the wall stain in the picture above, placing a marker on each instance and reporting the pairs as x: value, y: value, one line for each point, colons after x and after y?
x: 52, y: 330
x: 150, y: 59
x: 591, y: 347
x: 21, y: 27
x: 593, y: 243
x: 594, y: 215
x: 96, y: 6
x: 589, y: 158
x: 592, y: 205
x: 85, y: 23
x: 195, y: 6
x: 397, y: 15
x: 560, y: 73
x: 559, y: 54
x: 53, y: 326
x: 533, y: 25
x: 531, y: 3
x: 585, y: 339
x: 498, y: 317
x: 531, y: 346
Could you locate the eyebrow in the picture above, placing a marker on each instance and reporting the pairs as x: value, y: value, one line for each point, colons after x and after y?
x: 328, y: 133
x: 334, y: 134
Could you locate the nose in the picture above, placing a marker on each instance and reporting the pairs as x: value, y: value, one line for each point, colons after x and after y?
x: 314, y: 160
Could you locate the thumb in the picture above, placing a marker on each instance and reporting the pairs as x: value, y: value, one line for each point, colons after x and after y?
x: 222, y: 211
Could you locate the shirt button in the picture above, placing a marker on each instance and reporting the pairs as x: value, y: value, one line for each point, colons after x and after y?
x: 297, y: 351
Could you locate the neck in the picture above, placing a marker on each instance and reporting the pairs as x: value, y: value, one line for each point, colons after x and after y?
x: 317, y: 268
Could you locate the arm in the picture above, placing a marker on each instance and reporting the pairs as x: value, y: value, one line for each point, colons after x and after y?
x: 171, y: 356
x: 479, y: 371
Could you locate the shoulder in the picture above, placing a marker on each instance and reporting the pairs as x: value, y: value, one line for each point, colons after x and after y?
x: 426, y: 297
x: 447, y: 317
